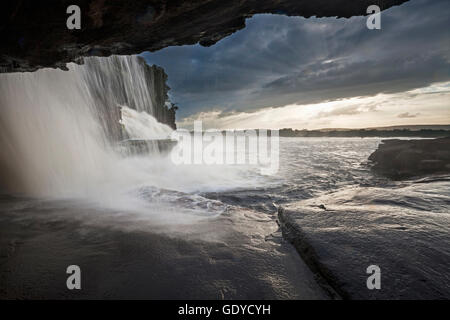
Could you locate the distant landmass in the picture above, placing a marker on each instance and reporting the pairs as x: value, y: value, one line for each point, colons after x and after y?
x: 407, y: 127
x: 391, y: 131
x: 418, y: 131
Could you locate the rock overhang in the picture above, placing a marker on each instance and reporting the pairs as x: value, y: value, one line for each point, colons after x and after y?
x: 34, y: 33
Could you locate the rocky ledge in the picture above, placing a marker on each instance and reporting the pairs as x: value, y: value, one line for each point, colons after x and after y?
x: 34, y: 33
x: 408, y: 158
x: 340, y: 234
x: 146, y: 147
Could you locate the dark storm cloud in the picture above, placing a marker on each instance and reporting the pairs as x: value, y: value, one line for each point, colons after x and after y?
x: 278, y: 60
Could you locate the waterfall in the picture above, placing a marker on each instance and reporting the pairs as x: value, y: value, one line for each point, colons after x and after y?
x: 58, y: 128
x: 74, y: 135
x: 141, y: 125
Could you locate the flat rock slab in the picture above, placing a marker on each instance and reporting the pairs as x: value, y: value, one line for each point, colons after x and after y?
x: 237, y: 255
x: 339, y: 235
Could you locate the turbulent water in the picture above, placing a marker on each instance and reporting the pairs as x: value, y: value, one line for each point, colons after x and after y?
x: 141, y: 125
x: 59, y: 128
x: 225, y: 220
x: 142, y: 226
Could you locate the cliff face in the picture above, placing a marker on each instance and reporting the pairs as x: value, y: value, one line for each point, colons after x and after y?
x: 164, y: 110
x: 34, y: 33
x: 125, y: 81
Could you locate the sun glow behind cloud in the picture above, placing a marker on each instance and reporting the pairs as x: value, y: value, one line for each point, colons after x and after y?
x: 428, y: 105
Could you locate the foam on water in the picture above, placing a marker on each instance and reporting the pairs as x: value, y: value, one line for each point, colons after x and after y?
x: 141, y: 125
x: 56, y: 141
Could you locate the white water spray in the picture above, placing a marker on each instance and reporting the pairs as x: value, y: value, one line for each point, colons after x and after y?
x: 50, y: 139
x: 141, y: 125
x: 58, y: 128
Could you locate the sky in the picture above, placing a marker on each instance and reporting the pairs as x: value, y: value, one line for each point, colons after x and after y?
x: 293, y: 72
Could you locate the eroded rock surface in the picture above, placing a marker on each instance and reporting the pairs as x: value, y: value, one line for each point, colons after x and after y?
x: 402, y: 229
x: 34, y: 33
x: 407, y: 158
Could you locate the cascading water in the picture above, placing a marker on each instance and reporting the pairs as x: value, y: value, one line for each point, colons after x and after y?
x: 50, y: 136
x: 141, y: 125
x: 60, y: 129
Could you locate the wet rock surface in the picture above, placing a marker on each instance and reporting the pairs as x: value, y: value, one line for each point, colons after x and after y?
x: 238, y: 255
x: 34, y: 35
x: 402, y: 233
x: 408, y: 158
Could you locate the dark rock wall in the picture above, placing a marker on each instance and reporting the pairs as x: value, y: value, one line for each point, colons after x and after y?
x: 126, y: 81
x: 34, y: 33
x: 164, y: 111
x: 408, y: 158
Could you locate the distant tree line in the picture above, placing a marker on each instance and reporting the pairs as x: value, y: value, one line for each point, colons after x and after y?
x: 355, y: 133
x: 425, y: 133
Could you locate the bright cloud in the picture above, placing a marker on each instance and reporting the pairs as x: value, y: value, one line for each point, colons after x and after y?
x: 428, y: 105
